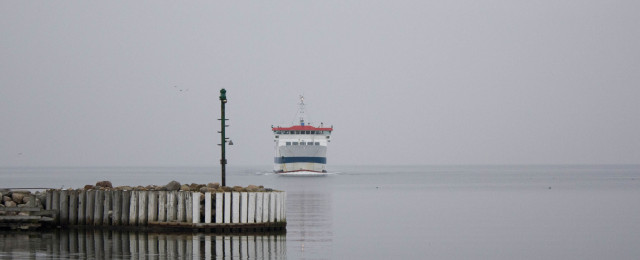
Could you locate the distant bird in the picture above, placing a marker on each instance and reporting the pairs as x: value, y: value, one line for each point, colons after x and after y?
x: 181, y: 90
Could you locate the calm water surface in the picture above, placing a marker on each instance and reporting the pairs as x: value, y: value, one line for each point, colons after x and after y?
x: 378, y: 212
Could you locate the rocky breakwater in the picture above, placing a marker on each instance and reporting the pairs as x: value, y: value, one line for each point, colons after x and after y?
x: 19, y: 199
x: 21, y: 209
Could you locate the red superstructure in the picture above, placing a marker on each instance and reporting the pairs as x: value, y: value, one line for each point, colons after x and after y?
x: 302, y: 128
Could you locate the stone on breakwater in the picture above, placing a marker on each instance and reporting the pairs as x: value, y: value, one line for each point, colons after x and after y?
x: 17, y: 197
x: 124, y: 188
x: 173, y: 185
x: 184, y: 187
x: 10, y: 203
x: 104, y: 184
x: 6, y: 198
x: 195, y: 186
x: 214, y: 185
x: 89, y: 187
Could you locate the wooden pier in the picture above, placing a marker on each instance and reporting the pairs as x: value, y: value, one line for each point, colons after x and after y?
x: 220, y: 212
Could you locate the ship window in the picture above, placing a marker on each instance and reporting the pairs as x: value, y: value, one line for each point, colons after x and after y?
x: 288, y: 143
x: 310, y: 143
x: 317, y: 143
x: 302, y: 143
x: 295, y: 143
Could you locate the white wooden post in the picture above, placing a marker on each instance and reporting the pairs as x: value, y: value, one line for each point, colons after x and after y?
x: 272, y: 207
x: 142, y: 207
x: 207, y: 207
x: 227, y: 207
x: 188, y: 207
x: 219, y: 204
x: 133, y: 208
x: 251, y: 210
x: 162, y: 206
x: 195, y: 210
x: 181, y: 206
x: 259, y: 203
x: 278, y: 206
x: 244, y: 207
x: 153, y: 206
x: 171, y: 206
x: 235, y: 206
x: 265, y: 207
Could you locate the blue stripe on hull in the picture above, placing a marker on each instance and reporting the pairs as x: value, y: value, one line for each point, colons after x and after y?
x: 300, y: 159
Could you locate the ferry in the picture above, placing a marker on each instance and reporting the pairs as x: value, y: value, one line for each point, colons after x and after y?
x: 301, y: 150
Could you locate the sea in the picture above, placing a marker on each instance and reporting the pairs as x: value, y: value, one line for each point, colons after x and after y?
x: 373, y: 212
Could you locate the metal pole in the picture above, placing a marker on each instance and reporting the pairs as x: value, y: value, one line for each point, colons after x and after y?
x: 223, y: 141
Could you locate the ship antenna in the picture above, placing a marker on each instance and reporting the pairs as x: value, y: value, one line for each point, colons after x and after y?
x: 301, y: 109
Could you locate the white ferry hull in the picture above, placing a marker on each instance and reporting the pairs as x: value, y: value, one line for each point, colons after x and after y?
x: 303, y: 173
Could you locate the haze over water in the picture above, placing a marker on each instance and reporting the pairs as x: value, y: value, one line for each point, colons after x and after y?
x: 444, y: 212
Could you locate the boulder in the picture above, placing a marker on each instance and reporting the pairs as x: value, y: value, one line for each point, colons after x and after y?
x: 6, y: 198
x: 185, y: 187
x: 173, y: 185
x: 41, y: 195
x: 10, y: 203
x: 26, y: 199
x: 194, y: 186
x: 238, y: 189
x: 204, y: 189
x: 17, y: 197
x: 226, y: 188
x: 104, y: 184
x: 160, y: 188
x: 252, y: 188
x: 89, y: 187
x: 214, y: 185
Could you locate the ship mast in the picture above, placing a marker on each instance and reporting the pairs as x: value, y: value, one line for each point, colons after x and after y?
x: 301, y: 109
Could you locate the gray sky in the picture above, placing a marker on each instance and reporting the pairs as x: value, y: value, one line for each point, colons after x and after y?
x: 85, y: 83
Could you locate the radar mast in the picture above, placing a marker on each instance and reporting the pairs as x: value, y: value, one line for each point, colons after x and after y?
x: 301, y: 109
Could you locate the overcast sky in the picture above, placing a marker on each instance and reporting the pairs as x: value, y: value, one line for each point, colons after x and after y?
x: 97, y: 83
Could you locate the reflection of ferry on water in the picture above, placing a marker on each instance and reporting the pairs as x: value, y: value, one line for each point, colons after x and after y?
x: 301, y: 149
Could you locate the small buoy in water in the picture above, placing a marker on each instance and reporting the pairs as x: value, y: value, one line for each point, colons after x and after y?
x: 377, y: 187
x: 549, y: 187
